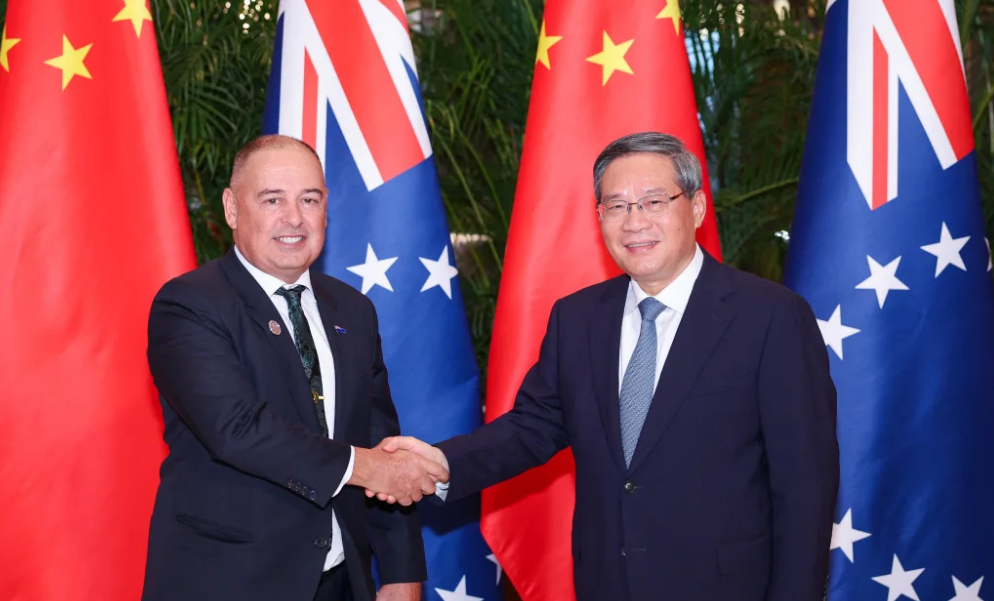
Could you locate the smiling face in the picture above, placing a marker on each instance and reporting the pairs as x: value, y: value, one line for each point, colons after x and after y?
x: 651, y: 248
x: 277, y: 210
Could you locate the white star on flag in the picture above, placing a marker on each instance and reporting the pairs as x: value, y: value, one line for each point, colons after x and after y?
x: 882, y: 279
x: 834, y: 332
x: 459, y: 594
x: 493, y: 558
x: 899, y: 581
x: 374, y: 271
x: 947, y: 250
x: 967, y: 593
x: 440, y: 273
x: 844, y: 535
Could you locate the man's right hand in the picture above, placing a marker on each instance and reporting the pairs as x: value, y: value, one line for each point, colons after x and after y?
x: 401, y: 444
x: 403, y: 476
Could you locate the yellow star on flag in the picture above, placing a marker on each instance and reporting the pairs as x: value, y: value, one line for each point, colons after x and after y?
x: 672, y: 11
x: 544, y: 43
x: 5, y: 45
x: 136, y: 12
x: 612, y: 58
x: 71, y: 62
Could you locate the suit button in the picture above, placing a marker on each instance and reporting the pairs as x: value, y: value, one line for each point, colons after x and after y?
x: 312, y: 496
x: 629, y: 487
x: 289, y: 484
x: 320, y: 543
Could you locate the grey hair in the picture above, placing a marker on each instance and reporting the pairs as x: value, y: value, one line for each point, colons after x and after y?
x: 688, y: 169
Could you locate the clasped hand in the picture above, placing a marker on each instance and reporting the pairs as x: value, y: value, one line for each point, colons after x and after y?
x: 395, y: 472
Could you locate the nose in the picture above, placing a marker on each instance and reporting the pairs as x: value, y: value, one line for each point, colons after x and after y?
x: 292, y: 215
x: 635, y: 220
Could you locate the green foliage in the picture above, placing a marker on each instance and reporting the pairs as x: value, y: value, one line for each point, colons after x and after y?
x: 216, y: 72
x: 753, y: 75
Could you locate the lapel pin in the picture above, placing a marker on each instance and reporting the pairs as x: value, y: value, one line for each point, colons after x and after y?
x: 274, y: 327
x: 340, y: 329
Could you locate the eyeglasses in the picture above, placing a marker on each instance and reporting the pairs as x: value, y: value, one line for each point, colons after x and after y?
x: 616, y: 210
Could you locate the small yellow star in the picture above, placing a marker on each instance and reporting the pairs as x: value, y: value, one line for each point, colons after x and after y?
x: 136, y: 12
x: 544, y: 43
x: 612, y: 58
x: 5, y: 45
x: 71, y: 62
x: 672, y: 11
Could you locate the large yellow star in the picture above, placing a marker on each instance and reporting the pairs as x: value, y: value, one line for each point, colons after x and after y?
x: 544, y: 43
x: 5, y: 45
x: 672, y: 11
x: 136, y: 12
x: 71, y: 62
x: 612, y: 58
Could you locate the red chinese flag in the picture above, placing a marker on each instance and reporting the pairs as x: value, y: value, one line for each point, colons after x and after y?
x: 604, y: 69
x: 94, y: 222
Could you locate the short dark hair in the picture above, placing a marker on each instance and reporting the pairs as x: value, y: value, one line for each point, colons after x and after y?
x: 689, y: 175
x: 265, y: 142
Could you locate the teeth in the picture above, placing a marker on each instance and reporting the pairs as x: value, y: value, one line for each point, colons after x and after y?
x: 290, y: 239
x: 640, y: 244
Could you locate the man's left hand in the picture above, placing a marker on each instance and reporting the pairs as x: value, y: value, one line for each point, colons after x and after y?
x: 407, y: 591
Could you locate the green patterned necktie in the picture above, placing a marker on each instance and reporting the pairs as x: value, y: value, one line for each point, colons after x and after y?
x: 305, y: 347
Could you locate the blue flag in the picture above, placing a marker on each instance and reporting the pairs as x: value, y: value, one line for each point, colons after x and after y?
x: 888, y: 247
x: 344, y: 80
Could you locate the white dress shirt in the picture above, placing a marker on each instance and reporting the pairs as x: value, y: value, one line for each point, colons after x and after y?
x: 675, y: 298
x: 326, y: 361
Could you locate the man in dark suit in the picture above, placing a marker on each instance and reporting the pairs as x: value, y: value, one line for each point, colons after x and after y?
x: 697, y: 401
x: 273, y: 390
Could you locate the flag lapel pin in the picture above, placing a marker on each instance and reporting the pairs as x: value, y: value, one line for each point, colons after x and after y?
x: 274, y: 327
x: 340, y: 329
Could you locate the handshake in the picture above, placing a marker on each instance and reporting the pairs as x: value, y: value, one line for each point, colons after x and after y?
x: 401, y: 469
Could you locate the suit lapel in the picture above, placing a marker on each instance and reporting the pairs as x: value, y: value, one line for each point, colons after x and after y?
x: 605, y: 345
x: 262, y: 311
x: 329, y: 310
x: 701, y: 328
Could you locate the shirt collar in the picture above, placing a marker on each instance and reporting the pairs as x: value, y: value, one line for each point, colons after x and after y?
x: 676, y: 296
x: 271, y: 283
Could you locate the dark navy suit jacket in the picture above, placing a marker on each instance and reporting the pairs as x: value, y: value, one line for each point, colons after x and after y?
x: 244, y: 508
x: 730, y: 495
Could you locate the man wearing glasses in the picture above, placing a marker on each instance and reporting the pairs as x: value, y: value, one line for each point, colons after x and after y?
x: 696, y: 398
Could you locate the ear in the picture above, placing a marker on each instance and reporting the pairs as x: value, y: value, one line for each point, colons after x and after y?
x: 700, y: 203
x: 326, y: 208
x: 230, y: 208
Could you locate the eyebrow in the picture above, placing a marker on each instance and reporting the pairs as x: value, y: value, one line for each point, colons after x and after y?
x: 269, y: 191
x: 645, y: 191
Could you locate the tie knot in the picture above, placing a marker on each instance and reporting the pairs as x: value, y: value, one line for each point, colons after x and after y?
x: 650, y: 309
x: 292, y: 293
